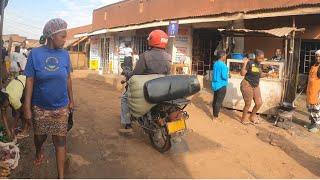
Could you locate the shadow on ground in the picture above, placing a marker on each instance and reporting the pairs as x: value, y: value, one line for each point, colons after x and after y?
x: 96, y: 150
x: 310, y: 162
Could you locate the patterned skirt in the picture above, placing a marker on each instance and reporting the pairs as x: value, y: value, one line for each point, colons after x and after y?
x: 314, y: 111
x: 50, y: 122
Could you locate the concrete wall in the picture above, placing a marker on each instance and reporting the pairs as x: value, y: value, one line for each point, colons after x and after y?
x: 312, y: 32
x: 95, y: 54
x: 79, y: 60
x: 268, y: 45
x: 182, y: 48
x: 239, y: 41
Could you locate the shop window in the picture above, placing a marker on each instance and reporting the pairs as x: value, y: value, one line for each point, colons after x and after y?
x: 140, y: 44
x: 105, y: 44
x: 307, y: 55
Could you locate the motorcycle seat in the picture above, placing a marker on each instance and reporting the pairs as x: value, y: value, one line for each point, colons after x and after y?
x: 180, y: 102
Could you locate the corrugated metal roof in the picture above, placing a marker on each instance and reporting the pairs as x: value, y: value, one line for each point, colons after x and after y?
x: 69, y: 42
x: 143, y: 11
x: 78, y: 30
x: 75, y: 41
x: 278, y: 32
x: 17, y: 38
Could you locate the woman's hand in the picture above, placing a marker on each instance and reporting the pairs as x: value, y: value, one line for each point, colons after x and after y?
x: 71, y: 106
x: 70, y: 93
x: 245, y: 60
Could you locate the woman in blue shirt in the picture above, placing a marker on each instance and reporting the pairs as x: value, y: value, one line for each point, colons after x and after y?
x: 220, y: 77
x: 49, y: 97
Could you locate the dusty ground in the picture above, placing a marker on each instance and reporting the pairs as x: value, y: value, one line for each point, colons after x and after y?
x: 224, y: 149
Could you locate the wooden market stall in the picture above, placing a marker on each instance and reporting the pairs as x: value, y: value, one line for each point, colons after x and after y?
x: 281, y: 84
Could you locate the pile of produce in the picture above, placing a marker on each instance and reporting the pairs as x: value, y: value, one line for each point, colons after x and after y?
x: 9, y: 158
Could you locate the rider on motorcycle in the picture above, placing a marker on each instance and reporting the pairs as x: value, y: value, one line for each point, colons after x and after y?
x: 154, y: 61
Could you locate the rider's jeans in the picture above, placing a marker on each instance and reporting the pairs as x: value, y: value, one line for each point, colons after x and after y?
x: 125, y: 113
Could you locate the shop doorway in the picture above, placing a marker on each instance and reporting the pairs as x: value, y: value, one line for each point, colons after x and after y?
x: 307, y: 55
x: 205, y: 42
x: 105, y: 51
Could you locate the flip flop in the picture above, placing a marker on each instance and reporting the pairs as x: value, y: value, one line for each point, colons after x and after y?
x: 255, y: 121
x: 245, y: 122
x: 22, y: 136
x: 37, y: 162
x: 18, y: 129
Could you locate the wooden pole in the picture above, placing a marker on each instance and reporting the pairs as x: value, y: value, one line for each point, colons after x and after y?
x: 78, y: 54
x: 2, y: 4
x: 292, y: 67
x: 285, y: 71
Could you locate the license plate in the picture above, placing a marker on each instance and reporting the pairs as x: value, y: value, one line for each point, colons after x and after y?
x: 176, y: 126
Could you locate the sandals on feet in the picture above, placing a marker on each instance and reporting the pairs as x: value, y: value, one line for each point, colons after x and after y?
x: 38, y: 161
x: 255, y: 120
x: 245, y: 122
x: 22, y: 135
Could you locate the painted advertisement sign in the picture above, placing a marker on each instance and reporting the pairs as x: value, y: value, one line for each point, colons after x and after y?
x: 94, y: 54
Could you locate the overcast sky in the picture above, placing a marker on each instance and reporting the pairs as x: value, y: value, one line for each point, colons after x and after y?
x: 27, y: 17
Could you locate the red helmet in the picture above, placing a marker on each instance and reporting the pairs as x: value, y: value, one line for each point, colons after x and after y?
x: 158, y: 38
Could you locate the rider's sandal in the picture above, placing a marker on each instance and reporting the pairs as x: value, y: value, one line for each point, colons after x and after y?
x: 38, y: 161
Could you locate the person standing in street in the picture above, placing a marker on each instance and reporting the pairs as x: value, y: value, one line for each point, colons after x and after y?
x: 313, y: 95
x: 24, y: 50
x: 3, y: 67
x: 220, y: 76
x: 49, y: 96
x: 18, y: 62
x: 128, y: 54
x: 250, y: 88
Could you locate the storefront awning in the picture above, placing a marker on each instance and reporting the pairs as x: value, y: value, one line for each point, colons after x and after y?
x: 277, y: 32
x: 102, y: 31
x: 80, y: 35
x: 70, y: 42
x: 74, y: 42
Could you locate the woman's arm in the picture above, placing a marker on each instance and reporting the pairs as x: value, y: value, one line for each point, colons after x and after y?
x: 244, y: 67
x: 70, y: 93
x: 5, y: 119
x: 28, y: 97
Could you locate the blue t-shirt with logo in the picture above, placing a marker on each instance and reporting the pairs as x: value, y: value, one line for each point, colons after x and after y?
x: 50, y: 69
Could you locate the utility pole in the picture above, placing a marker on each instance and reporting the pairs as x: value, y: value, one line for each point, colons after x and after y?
x: 3, y: 4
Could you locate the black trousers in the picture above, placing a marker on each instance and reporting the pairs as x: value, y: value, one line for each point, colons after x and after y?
x: 218, y: 98
x: 128, y: 62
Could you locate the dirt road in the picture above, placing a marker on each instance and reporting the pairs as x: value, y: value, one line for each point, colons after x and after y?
x: 224, y: 149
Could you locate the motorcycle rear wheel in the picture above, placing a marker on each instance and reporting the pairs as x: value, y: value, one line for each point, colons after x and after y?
x: 162, y: 135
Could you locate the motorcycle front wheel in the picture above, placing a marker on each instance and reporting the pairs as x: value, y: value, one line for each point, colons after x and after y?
x: 160, y: 140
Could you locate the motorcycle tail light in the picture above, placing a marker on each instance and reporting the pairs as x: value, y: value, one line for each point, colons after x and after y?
x: 176, y: 116
x: 162, y: 122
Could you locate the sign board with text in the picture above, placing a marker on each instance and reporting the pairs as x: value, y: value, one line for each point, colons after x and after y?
x: 173, y: 28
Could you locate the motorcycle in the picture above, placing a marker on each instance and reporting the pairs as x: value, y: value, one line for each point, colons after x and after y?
x: 165, y: 122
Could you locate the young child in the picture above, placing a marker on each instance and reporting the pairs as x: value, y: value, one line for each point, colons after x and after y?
x: 12, y: 96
